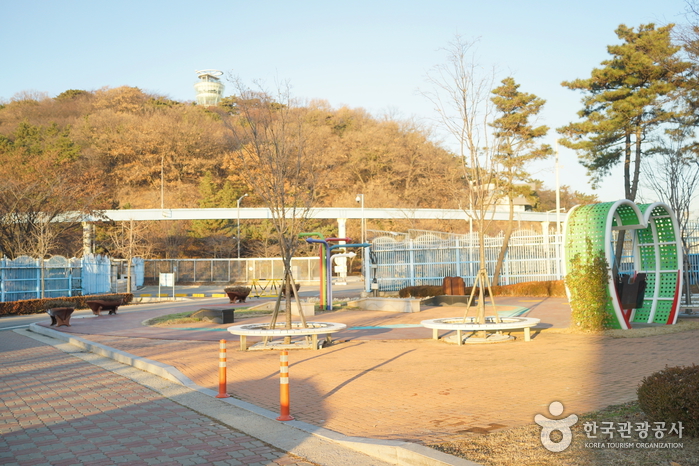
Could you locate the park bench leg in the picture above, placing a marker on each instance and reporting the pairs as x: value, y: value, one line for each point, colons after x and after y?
x: 435, y: 334
x: 527, y: 334
x: 314, y: 341
x: 459, y: 337
x: 60, y: 321
x: 243, y: 343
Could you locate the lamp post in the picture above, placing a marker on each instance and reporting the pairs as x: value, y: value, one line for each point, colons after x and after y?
x: 360, y: 199
x: 238, y: 209
x: 558, y: 195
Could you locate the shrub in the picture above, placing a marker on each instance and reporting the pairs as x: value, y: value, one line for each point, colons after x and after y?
x: 423, y: 291
x: 670, y: 396
x: 37, y: 306
x: 587, y: 281
x: 539, y: 289
x: 55, y: 303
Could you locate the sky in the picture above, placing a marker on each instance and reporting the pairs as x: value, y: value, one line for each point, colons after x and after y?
x: 363, y: 54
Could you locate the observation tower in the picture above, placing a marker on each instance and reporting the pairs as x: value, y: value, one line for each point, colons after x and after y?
x: 209, y: 88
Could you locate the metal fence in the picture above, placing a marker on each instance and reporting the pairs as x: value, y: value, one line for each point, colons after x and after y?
x: 421, y: 257
x: 29, y: 278
x: 425, y: 258
x: 190, y: 271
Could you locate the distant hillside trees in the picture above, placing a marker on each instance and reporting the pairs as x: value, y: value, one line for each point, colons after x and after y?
x: 126, y: 148
x: 42, y: 177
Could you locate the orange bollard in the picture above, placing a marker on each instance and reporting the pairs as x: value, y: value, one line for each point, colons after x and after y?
x: 222, y: 371
x: 284, y: 387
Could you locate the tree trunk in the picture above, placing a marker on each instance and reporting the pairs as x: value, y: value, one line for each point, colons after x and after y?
x: 505, y: 244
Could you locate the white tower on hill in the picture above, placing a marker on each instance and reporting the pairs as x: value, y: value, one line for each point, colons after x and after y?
x: 209, y: 88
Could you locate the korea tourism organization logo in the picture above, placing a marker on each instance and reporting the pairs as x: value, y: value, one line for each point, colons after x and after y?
x: 549, y: 426
x: 603, y: 434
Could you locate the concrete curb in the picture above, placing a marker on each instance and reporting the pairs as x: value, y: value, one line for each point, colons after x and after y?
x: 391, y: 451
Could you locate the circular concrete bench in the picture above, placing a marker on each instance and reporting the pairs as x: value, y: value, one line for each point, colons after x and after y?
x: 470, y: 325
x: 312, y: 329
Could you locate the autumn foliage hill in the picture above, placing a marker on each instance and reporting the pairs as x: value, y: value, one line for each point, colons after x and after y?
x: 119, y: 148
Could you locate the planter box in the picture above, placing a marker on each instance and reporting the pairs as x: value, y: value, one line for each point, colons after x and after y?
x: 220, y: 316
x: 309, y: 309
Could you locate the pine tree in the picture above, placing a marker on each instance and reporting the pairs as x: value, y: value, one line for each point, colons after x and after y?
x: 518, y: 145
x: 632, y: 95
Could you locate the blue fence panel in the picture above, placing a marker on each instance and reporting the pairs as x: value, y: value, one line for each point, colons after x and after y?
x: 425, y: 258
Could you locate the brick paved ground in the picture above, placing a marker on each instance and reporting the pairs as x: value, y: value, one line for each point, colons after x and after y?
x: 399, y: 384
x: 58, y: 410
x: 427, y: 391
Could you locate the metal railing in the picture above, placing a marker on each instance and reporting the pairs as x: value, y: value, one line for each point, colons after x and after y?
x: 190, y: 271
x: 425, y: 258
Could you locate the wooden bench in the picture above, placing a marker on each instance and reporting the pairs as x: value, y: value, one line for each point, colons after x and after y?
x: 60, y: 316
x: 98, y: 305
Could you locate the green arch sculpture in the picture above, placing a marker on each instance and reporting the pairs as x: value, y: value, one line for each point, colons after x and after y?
x: 657, y: 252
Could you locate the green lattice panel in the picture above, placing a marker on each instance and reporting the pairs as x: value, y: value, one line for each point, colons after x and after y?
x: 610, y: 310
x: 590, y: 222
x: 645, y: 236
x: 658, y: 211
x: 647, y: 257
x: 662, y: 312
x: 668, y: 257
x: 627, y: 215
x: 666, y: 230
x: 650, y: 284
x: 643, y: 313
x: 668, y: 285
x: 587, y: 221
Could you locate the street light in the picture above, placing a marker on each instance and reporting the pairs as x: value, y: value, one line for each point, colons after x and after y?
x: 360, y: 198
x: 238, y: 208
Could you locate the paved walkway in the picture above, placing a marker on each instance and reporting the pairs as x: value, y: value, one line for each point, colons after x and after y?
x: 109, y: 420
x: 56, y: 409
x: 397, y: 383
x: 394, y: 382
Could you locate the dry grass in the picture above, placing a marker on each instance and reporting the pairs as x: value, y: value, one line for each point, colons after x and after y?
x: 683, y: 324
x: 522, y: 445
x: 172, y: 319
x: 182, y: 318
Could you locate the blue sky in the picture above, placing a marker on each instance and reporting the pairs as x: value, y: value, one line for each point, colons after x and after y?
x: 369, y: 54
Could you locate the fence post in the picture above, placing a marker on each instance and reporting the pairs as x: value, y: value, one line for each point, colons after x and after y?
x: 457, y: 257
x: 411, y: 255
x: 38, y: 274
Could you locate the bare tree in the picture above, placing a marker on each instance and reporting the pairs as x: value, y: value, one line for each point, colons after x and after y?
x: 33, y: 214
x: 673, y: 178
x: 269, y: 136
x: 128, y: 241
x: 461, y: 95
